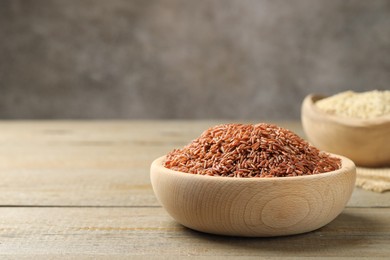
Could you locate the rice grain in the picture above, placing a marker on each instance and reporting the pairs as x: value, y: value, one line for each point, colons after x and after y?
x: 244, y: 151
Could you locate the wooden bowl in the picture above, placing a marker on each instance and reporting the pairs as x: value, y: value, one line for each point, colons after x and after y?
x: 253, y: 207
x: 365, y: 141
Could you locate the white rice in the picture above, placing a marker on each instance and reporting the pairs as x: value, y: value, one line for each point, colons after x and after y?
x: 363, y: 105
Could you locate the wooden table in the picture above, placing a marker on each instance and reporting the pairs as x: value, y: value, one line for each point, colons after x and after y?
x: 82, y: 189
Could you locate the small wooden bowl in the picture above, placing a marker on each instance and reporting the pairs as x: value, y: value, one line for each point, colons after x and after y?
x: 365, y: 141
x: 253, y: 207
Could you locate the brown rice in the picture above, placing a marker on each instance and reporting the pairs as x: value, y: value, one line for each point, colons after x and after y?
x: 243, y: 150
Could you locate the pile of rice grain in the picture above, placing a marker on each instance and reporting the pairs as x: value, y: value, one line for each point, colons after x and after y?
x: 240, y: 150
x: 363, y: 105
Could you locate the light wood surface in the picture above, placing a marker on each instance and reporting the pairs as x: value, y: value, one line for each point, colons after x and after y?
x: 82, y: 189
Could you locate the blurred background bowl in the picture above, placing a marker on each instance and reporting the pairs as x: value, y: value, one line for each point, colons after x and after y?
x: 365, y: 141
x: 253, y: 207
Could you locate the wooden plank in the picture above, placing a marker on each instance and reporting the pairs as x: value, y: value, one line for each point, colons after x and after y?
x: 106, y: 163
x: 83, y: 163
x: 102, y: 132
x: 77, y: 188
x: 98, y: 163
x: 115, y: 187
x: 37, y: 231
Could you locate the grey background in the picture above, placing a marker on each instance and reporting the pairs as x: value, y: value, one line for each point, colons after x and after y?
x: 228, y: 59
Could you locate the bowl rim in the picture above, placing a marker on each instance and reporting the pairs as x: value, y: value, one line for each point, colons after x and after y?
x: 309, y: 103
x: 347, y: 165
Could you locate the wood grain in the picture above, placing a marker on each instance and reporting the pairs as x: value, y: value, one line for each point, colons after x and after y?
x: 85, y: 163
x: 98, y: 163
x: 81, y: 189
x: 150, y: 231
